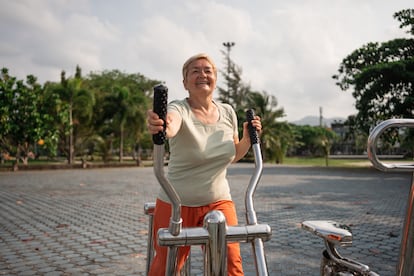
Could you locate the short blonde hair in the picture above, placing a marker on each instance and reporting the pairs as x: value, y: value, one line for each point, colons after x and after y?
x: 197, y: 57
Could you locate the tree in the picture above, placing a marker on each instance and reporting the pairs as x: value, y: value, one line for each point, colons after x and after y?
x: 121, y: 102
x: 381, y: 76
x: 74, y: 111
x: 126, y: 112
x: 356, y: 136
x: 276, y: 136
x: 21, y: 120
x: 55, y: 115
x: 236, y: 91
x: 315, y: 141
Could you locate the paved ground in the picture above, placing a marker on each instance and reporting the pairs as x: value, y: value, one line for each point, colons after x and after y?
x: 91, y: 222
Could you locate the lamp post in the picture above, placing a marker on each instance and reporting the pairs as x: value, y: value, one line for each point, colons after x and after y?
x: 228, y: 45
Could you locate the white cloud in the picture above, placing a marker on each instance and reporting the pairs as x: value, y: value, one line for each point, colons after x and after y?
x: 287, y: 48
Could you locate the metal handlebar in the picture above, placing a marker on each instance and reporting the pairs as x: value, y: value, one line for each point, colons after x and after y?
x: 406, y: 258
x: 372, y: 145
x: 254, y: 180
x: 251, y: 218
x: 160, y: 107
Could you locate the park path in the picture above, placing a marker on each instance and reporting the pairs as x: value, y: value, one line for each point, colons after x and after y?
x: 91, y: 221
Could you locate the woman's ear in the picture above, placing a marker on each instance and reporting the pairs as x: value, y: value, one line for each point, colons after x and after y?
x: 184, y: 83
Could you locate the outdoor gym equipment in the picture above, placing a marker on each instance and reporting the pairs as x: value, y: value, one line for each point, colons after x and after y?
x: 334, y: 234
x: 215, y: 234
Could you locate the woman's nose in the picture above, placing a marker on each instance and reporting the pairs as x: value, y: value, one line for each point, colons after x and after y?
x: 203, y: 73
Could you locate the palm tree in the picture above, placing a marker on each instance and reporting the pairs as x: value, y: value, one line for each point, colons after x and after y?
x: 119, y: 114
x: 276, y: 136
x: 80, y: 103
x: 124, y: 108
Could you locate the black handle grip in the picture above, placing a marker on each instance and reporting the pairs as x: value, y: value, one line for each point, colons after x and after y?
x: 254, y: 137
x: 160, y: 107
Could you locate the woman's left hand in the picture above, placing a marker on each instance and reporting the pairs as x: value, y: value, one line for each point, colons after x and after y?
x: 256, y: 122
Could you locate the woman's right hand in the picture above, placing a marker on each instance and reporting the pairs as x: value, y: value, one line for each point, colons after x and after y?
x: 154, y: 123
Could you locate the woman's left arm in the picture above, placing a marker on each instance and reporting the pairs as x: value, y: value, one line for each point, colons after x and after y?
x: 243, y: 145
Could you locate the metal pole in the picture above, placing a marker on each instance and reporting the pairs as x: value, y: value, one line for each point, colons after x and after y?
x: 228, y: 45
x: 160, y: 107
x: 149, y: 210
x: 257, y: 243
x: 215, y: 255
x: 406, y: 259
x: 406, y: 263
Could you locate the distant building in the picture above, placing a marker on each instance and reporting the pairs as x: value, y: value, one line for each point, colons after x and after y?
x: 345, y: 144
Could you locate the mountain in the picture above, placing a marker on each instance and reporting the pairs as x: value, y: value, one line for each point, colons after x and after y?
x: 314, y: 121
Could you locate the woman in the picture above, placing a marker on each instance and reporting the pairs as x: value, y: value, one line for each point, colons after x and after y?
x: 203, y: 140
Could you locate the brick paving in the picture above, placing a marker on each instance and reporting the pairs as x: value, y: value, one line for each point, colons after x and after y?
x: 91, y: 221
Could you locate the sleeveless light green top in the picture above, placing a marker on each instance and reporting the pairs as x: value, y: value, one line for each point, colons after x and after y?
x: 199, y: 156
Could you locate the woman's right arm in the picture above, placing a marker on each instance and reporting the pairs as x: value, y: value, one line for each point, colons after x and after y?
x: 155, y: 124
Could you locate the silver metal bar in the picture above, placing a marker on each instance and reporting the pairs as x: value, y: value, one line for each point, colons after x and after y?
x: 200, y: 236
x: 171, y: 266
x: 251, y: 217
x: 186, y: 270
x: 260, y: 257
x: 215, y: 255
x: 406, y: 260
x: 351, y: 264
x: 149, y: 210
x: 372, y: 145
x: 248, y: 233
x: 254, y: 180
x: 176, y: 220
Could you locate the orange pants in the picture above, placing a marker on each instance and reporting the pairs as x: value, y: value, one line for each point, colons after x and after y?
x: 193, y: 217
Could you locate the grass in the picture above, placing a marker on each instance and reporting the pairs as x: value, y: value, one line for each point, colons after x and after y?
x: 320, y: 161
x: 62, y: 164
x: 296, y: 161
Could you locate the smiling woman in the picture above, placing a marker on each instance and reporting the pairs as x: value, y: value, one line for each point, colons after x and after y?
x: 203, y: 140
x: 199, y: 79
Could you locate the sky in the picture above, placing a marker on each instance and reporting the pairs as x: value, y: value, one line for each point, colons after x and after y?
x: 286, y: 48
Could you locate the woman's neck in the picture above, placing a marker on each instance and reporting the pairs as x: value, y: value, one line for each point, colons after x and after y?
x: 204, y: 104
x: 206, y: 111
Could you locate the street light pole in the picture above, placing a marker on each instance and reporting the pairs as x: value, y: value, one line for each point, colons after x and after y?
x: 228, y: 45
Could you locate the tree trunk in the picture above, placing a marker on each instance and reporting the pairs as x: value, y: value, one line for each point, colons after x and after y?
x: 121, y: 144
x: 71, y: 147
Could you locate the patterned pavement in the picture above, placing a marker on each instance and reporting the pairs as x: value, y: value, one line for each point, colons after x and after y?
x: 91, y: 221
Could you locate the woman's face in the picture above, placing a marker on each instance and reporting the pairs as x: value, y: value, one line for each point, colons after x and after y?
x: 200, y: 77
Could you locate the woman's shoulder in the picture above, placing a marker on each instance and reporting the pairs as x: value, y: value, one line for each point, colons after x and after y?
x: 178, y: 104
x: 225, y: 107
x: 222, y: 105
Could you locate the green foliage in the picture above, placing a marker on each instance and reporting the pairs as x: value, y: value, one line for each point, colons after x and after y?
x: 119, y: 113
x: 276, y: 136
x: 236, y: 91
x: 76, y: 117
x: 72, y: 105
x: 381, y: 76
x: 406, y: 19
x: 22, y: 123
x: 354, y: 139
x: 314, y: 141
